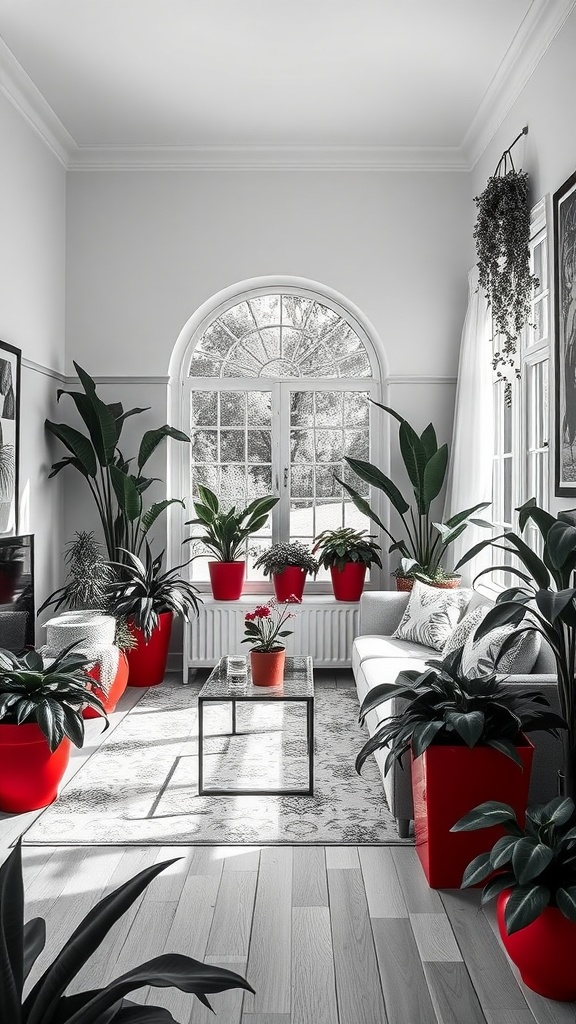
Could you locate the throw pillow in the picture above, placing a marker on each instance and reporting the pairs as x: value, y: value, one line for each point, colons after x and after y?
x: 431, y: 614
x: 463, y: 629
x: 479, y: 656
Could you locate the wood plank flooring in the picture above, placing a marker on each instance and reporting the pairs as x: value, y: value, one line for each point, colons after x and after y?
x: 320, y: 944
x: 325, y: 935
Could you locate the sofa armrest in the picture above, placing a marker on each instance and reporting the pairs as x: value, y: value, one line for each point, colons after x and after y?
x: 381, y: 611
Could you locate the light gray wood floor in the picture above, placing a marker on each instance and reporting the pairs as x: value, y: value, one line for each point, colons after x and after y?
x: 326, y: 935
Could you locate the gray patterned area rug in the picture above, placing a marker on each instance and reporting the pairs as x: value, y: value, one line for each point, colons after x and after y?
x: 140, y: 786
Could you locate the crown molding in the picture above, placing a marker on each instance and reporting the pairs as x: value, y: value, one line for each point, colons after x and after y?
x: 538, y: 30
x: 212, y: 158
x: 19, y: 88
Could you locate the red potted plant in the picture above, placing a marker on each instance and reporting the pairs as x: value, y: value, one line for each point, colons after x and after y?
x: 288, y: 565
x: 347, y: 554
x: 532, y: 871
x: 467, y: 743
x: 225, y: 537
x: 148, y: 599
x: 263, y: 630
x: 40, y: 716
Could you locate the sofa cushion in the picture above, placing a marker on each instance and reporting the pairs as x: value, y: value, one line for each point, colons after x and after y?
x: 383, y: 670
x: 365, y: 647
x: 431, y: 614
x: 463, y: 629
x: 479, y: 656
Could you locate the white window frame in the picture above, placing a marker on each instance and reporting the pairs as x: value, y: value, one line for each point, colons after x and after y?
x: 179, y: 403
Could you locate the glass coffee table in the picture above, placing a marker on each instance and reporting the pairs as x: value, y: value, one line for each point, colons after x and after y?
x: 221, y: 687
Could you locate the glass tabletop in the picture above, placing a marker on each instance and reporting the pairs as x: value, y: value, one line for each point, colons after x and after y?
x: 223, y: 685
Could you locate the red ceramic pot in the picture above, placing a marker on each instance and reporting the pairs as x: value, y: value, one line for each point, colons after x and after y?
x: 10, y: 573
x: 289, y: 584
x: 447, y: 782
x: 29, y: 773
x: 119, y: 684
x: 267, y: 667
x: 543, y: 951
x: 147, y: 661
x: 348, y: 582
x: 227, y: 579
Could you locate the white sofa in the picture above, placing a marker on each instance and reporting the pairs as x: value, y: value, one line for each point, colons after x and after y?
x: 378, y: 658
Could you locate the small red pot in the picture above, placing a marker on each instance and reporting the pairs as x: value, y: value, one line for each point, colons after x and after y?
x: 119, y: 684
x: 543, y: 951
x: 267, y: 667
x: 289, y: 584
x: 227, y: 580
x: 447, y: 782
x: 10, y: 573
x: 29, y: 773
x: 147, y: 661
x: 348, y: 582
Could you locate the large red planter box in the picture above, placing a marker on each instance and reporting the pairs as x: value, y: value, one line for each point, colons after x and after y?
x: 447, y: 782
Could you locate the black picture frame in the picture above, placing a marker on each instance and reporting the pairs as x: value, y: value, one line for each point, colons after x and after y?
x: 564, y: 215
x: 10, y: 373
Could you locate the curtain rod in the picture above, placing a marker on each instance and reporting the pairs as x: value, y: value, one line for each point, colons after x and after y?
x: 507, y: 152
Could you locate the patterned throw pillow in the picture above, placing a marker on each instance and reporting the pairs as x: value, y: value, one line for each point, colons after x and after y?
x: 459, y: 635
x: 479, y: 656
x: 431, y: 614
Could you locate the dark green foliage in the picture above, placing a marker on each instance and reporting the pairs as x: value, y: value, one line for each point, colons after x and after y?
x: 116, y: 489
x: 424, y: 544
x: 280, y: 556
x: 544, y: 601
x: 502, y: 235
x: 226, y: 532
x: 142, y: 591
x: 51, y: 696
x: 339, y: 547
x: 46, y: 1003
x: 537, y: 862
x: 443, y: 706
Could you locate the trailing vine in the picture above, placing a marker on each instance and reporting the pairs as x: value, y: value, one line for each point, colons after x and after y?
x: 502, y: 234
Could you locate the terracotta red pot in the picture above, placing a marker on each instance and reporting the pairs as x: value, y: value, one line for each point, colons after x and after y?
x: 147, y: 661
x: 289, y: 584
x: 119, y: 684
x: 348, y: 582
x: 543, y: 951
x: 29, y: 773
x: 227, y: 580
x: 447, y: 782
x: 267, y: 667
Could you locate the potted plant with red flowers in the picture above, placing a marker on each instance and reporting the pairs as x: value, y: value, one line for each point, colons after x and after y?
x: 263, y: 629
x: 288, y: 565
x: 347, y: 553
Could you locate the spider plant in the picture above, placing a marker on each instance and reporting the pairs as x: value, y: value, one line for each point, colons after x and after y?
x: 142, y: 591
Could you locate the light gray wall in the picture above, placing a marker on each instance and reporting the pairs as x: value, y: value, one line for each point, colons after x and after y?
x: 32, y: 308
x: 548, y: 152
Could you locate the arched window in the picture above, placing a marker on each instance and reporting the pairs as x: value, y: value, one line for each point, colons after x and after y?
x: 276, y: 394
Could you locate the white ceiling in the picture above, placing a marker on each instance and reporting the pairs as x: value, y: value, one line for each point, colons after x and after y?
x: 266, y: 73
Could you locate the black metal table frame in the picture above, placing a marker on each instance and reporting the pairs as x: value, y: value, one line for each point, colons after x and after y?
x: 233, y: 699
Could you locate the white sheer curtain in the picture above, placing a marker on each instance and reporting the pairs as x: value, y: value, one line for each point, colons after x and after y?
x: 470, y: 470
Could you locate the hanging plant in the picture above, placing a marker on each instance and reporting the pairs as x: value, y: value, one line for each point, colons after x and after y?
x: 502, y: 234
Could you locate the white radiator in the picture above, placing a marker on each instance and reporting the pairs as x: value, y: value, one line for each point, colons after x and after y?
x: 322, y: 627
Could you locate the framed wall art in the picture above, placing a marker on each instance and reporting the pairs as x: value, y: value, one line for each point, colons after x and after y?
x: 9, y: 437
x: 564, y: 209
